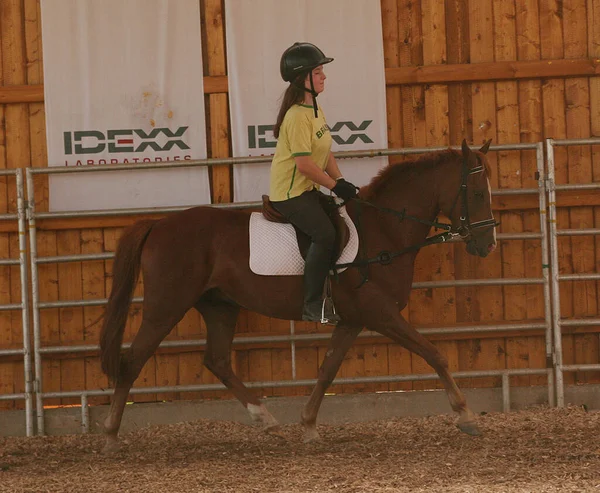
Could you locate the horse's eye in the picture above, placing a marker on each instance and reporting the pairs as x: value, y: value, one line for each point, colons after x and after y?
x: 479, y: 195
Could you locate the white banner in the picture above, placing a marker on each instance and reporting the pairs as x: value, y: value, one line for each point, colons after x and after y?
x: 123, y: 83
x: 258, y: 32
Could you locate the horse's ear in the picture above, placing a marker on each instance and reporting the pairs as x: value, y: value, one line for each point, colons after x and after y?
x: 465, y: 148
x: 485, y: 147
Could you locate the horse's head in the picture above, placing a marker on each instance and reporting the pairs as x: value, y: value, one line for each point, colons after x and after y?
x: 467, y: 201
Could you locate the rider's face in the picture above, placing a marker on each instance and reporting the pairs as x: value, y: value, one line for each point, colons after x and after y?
x: 318, y: 79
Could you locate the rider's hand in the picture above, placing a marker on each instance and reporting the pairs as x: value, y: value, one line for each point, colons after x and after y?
x: 344, y: 189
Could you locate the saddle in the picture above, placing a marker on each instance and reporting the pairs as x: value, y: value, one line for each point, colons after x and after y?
x: 342, y: 233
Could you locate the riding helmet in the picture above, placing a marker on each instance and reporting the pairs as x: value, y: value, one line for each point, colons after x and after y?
x: 300, y: 58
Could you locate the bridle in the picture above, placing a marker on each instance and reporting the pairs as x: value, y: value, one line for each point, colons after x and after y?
x: 463, y: 231
x: 466, y: 226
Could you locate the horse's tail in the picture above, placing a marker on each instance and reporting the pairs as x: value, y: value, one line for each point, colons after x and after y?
x: 126, y: 270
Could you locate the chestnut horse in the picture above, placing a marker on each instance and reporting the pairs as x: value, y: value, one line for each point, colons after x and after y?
x: 198, y: 258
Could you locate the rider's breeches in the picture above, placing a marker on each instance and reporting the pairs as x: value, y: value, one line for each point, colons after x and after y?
x: 306, y: 213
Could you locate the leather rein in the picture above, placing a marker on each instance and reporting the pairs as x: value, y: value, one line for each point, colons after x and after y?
x: 386, y: 257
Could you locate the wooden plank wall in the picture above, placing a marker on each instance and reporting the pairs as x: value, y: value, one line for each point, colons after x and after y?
x: 487, y: 96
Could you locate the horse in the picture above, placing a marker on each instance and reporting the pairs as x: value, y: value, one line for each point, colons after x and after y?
x: 199, y: 258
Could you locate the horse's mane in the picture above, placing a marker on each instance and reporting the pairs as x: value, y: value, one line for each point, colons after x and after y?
x: 414, y: 166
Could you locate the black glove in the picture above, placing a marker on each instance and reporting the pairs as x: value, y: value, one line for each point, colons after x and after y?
x: 344, y: 189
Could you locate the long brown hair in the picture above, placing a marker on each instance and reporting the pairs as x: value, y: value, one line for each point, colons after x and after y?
x: 292, y: 95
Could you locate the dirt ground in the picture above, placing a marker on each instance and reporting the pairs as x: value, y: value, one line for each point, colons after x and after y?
x: 538, y: 450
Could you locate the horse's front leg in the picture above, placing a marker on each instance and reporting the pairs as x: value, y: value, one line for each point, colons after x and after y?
x: 398, y: 329
x: 343, y: 337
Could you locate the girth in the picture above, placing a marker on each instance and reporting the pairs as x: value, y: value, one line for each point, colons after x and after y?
x: 342, y: 233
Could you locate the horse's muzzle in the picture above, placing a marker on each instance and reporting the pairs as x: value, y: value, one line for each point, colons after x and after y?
x: 474, y: 248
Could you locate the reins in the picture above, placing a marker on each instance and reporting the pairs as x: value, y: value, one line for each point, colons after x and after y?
x: 386, y: 257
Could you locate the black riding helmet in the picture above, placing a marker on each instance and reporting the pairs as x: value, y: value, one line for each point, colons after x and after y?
x: 299, y: 60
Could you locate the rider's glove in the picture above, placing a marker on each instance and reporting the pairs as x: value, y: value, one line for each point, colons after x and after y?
x: 344, y: 189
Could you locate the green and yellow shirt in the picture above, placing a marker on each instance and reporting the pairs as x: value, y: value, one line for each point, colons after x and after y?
x: 301, y: 134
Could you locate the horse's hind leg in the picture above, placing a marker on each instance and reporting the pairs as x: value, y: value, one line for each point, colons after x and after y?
x: 220, y: 318
x: 144, y: 345
x: 408, y: 337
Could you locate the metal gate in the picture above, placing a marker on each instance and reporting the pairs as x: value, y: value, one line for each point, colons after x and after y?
x: 23, y: 305
x: 558, y: 321
x: 292, y: 338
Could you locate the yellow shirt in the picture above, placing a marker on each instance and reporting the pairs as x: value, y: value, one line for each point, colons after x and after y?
x: 301, y: 134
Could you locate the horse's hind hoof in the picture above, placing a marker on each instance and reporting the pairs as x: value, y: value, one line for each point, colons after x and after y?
x: 470, y: 428
x: 274, y: 430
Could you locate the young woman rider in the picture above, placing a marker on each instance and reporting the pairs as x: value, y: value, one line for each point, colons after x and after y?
x: 303, y: 162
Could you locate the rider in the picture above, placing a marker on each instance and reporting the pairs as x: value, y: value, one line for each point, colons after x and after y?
x: 302, y: 163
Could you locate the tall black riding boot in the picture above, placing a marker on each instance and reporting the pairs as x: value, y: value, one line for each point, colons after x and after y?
x: 318, y: 260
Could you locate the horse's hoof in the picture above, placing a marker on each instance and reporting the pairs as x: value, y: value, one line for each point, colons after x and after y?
x: 470, y: 428
x: 262, y: 416
x: 274, y: 430
x: 111, y: 446
x: 311, y: 435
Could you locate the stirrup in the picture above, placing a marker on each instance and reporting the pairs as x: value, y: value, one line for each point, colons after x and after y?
x: 328, y: 306
x: 325, y: 313
x: 332, y: 317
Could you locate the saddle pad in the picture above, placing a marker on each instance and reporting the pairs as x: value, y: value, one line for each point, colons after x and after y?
x: 274, y: 247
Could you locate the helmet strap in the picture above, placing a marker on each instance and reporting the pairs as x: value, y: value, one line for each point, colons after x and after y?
x: 313, y: 93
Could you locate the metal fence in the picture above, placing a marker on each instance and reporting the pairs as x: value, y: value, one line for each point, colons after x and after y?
x: 558, y: 321
x: 292, y: 338
x: 23, y: 305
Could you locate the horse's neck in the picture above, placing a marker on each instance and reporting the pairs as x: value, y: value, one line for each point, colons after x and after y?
x: 419, y: 198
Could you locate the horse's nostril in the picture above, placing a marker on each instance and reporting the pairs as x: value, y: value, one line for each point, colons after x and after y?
x: 491, y: 247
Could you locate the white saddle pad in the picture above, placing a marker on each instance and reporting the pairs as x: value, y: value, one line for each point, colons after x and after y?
x: 274, y: 247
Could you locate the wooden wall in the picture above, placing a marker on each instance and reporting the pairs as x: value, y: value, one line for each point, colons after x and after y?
x: 513, y: 71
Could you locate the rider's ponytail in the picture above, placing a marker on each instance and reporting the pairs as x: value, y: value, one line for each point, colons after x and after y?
x: 293, y: 95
